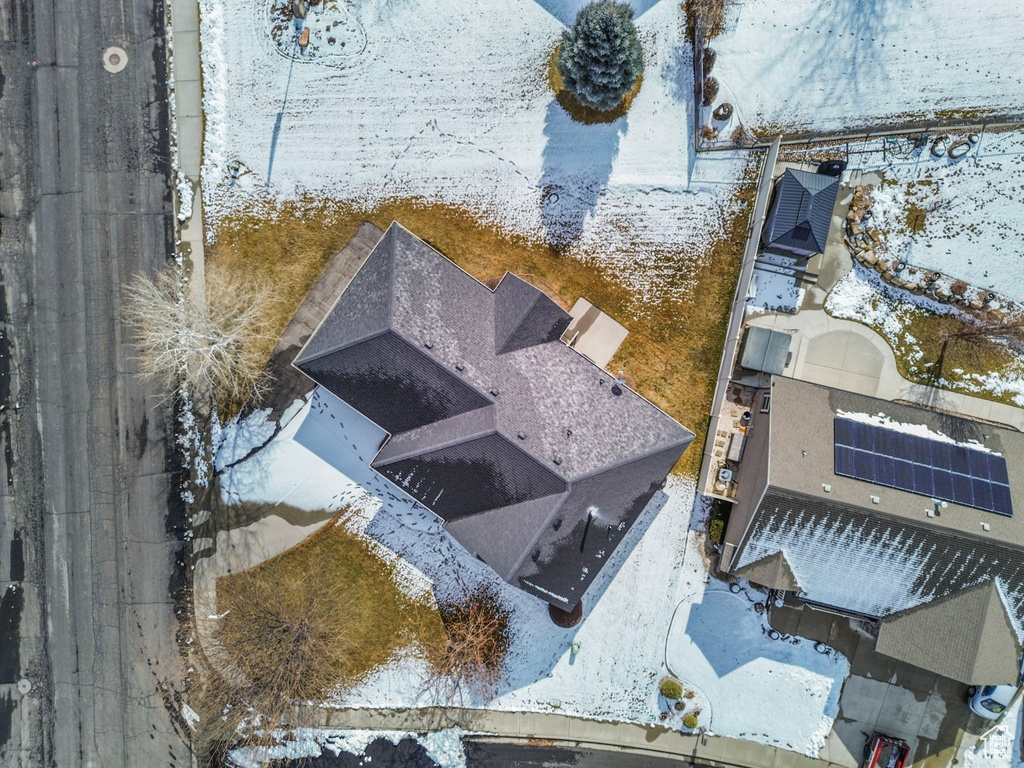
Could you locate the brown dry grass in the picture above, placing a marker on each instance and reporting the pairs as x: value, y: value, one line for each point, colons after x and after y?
x: 673, y: 348
x: 325, y: 613
x: 577, y: 111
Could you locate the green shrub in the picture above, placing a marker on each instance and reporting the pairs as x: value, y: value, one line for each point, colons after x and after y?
x: 671, y: 689
x: 715, y: 530
x: 600, y: 58
x: 690, y: 721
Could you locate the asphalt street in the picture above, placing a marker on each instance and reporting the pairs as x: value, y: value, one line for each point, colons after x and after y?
x: 88, y: 535
x: 492, y: 754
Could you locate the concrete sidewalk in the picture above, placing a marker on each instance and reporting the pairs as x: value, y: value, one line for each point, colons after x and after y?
x: 628, y: 737
x: 188, y: 104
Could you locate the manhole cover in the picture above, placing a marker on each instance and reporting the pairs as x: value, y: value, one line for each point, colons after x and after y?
x: 114, y: 59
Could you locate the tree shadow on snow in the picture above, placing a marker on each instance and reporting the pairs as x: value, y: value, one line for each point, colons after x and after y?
x: 854, y: 34
x: 577, y: 163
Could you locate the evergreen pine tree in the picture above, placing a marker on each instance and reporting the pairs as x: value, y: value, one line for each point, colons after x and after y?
x: 600, y: 58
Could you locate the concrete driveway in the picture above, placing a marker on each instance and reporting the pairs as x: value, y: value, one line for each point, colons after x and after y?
x: 885, y: 695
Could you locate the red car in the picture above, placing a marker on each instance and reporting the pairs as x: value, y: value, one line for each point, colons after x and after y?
x: 886, y: 752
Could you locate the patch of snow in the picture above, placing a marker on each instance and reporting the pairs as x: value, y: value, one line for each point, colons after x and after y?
x: 972, y: 223
x: 186, y: 191
x: 774, y: 290
x: 921, y: 430
x: 320, y: 460
x: 190, y: 715
x: 834, y: 64
x: 443, y: 747
x: 730, y: 667
x: 240, y: 436
x: 1002, y: 748
x: 451, y: 104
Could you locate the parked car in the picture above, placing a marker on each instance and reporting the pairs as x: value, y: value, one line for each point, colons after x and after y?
x: 886, y: 752
x: 989, y: 701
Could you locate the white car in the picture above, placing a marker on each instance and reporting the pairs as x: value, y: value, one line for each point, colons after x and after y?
x: 989, y: 701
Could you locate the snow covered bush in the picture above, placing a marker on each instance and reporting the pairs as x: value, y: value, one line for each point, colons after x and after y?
x: 600, y: 58
x: 671, y: 689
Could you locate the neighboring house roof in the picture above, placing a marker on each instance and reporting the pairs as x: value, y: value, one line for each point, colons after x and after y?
x: 772, y: 571
x: 517, y: 441
x: 982, y: 648
x: 765, y: 350
x: 801, y: 212
x: 887, y: 558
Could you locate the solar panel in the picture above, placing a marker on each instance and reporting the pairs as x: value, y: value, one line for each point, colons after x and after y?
x: 967, y: 476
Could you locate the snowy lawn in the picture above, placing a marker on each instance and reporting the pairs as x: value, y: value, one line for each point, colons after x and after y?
x: 914, y: 325
x: 319, y: 461
x: 449, y: 103
x: 971, y: 208
x: 833, y: 64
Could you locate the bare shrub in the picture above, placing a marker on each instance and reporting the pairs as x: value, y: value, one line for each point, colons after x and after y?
x: 958, y: 288
x: 709, y: 133
x: 738, y: 135
x: 708, y: 15
x: 199, y: 339
x: 710, y: 91
x: 709, y: 60
x: 471, y: 656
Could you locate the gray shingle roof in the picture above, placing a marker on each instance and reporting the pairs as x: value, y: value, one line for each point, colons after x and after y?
x: 801, y: 212
x: 888, y: 560
x: 982, y: 649
x: 772, y: 571
x: 493, y: 419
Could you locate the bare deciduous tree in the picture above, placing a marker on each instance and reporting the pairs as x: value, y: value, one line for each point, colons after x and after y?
x: 201, y: 340
x: 471, y: 655
x: 280, y: 646
x: 1010, y: 331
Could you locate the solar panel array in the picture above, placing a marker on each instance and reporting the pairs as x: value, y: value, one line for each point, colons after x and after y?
x: 945, y: 471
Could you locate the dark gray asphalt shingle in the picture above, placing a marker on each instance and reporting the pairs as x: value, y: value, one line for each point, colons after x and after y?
x: 801, y: 212
x: 495, y: 422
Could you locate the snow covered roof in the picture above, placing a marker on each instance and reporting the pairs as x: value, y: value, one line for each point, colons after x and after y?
x: 517, y: 441
x: 876, y: 550
x: 801, y: 212
x: 982, y: 649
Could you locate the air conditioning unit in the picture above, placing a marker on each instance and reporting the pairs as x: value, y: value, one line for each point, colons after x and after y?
x: 725, y: 475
